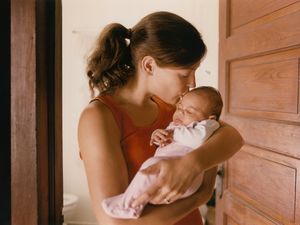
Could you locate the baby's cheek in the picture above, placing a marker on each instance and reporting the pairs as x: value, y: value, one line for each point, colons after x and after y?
x: 189, y: 119
x: 175, y: 116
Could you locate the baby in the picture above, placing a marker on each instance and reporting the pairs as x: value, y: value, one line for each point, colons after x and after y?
x: 194, y: 120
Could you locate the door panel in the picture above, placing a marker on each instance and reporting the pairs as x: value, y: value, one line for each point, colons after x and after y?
x: 266, y: 180
x: 259, y: 81
x: 279, y: 137
x: 238, y: 210
x: 267, y: 86
x: 245, y: 11
x: 266, y: 34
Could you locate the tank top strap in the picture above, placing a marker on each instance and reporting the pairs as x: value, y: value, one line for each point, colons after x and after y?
x: 108, y: 101
x: 163, y: 105
x: 119, y: 115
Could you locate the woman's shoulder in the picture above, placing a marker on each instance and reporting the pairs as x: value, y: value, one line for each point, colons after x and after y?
x: 96, y: 123
x: 97, y: 114
x: 95, y: 110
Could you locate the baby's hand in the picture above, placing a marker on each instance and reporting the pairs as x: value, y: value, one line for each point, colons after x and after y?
x: 161, y: 137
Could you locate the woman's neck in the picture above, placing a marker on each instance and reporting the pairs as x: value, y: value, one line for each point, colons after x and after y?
x: 135, y: 99
x: 134, y: 92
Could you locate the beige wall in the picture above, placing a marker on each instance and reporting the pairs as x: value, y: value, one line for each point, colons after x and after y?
x: 82, y: 21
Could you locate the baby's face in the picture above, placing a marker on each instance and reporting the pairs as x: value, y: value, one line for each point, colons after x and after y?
x: 192, y: 107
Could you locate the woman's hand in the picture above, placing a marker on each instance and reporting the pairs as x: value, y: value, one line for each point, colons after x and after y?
x: 175, y: 176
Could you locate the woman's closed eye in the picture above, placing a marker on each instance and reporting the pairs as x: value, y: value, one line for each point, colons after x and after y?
x: 184, y: 75
x: 178, y: 105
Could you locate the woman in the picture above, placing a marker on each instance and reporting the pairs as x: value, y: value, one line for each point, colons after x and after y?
x: 139, y: 74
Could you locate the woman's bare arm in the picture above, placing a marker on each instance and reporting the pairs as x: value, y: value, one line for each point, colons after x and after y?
x: 105, y: 168
x: 99, y: 142
x: 176, y: 175
x: 223, y: 144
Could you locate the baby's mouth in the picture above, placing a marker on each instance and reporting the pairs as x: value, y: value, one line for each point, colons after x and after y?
x: 177, y: 121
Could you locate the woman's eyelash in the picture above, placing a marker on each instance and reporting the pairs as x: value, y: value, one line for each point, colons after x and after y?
x: 183, y: 75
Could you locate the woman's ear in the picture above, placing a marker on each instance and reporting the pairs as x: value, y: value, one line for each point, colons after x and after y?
x: 148, y: 63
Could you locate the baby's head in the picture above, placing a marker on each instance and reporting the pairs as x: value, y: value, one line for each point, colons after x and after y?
x: 198, y: 104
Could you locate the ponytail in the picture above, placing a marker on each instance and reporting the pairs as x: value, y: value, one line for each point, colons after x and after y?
x: 109, y: 65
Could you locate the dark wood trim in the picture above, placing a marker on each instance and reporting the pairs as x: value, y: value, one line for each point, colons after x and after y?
x: 224, y: 31
x: 57, y: 157
x: 36, y: 155
x: 5, y: 113
x: 23, y: 113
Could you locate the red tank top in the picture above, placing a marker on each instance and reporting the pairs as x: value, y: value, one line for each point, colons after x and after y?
x: 135, y: 141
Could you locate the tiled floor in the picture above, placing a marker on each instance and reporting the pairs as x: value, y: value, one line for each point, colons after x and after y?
x: 208, y: 213
x: 210, y: 216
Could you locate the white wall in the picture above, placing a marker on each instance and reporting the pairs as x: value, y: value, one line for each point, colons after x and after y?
x: 82, y: 21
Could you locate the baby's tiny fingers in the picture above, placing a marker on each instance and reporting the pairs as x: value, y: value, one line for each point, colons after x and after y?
x: 164, y: 132
x: 162, y: 137
x: 156, y: 143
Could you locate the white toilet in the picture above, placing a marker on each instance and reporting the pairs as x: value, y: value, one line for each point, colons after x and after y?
x: 70, y: 203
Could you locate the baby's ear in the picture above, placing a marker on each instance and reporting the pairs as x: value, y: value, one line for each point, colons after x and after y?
x: 212, y: 117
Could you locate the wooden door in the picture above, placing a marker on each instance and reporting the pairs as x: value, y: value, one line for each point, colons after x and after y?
x: 259, y: 80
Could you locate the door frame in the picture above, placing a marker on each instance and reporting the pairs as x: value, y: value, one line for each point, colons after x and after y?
x: 36, y: 112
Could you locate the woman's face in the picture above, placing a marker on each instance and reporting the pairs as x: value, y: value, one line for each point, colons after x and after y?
x: 171, y: 83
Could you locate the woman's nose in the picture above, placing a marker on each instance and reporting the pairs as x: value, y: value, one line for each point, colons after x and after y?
x: 192, y: 81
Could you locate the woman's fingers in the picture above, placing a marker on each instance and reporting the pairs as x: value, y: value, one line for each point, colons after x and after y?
x: 166, y: 197
x: 161, y: 189
x: 161, y: 197
x: 152, y: 190
x: 174, y: 177
x: 172, y: 197
x: 146, y: 197
x: 156, y: 195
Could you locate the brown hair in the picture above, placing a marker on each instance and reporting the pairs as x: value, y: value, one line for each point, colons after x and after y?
x: 168, y: 38
x: 215, y: 99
